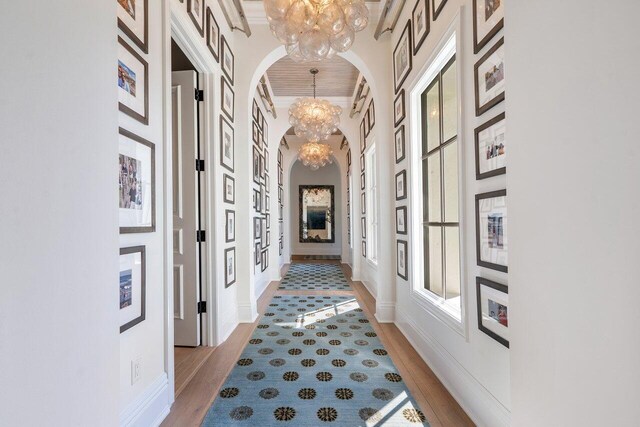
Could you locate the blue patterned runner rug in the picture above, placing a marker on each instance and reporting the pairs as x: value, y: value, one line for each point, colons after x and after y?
x: 314, y: 277
x: 314, y: 361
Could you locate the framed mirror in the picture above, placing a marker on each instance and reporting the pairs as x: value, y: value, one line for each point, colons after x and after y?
x: 317, y: 209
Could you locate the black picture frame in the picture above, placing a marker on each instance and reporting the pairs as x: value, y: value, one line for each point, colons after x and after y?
x: 363, y: 203
x: 257, y: 158
x: 481, y: 109
x: 257, y: 252
x: 437, y: 9
x: 402, y: 244
x: 228, y: 282
x: 227, y: 60
x: 480, y: 262
x: 139, y: 140
x: 401, y: 213
x: 255, y: 111
x: 363, y: 226
x: 349, y: 157
x: 264, y: 259
x: 372, y: 114
x: 363, y: 136
x: 419, y: 39
x: 143, y: 285
x: 362, y: 181
x: 257, y: 202
x: 495, y: 172
x: 255, y: 134
x: 479, y: 43
x: 228, y: 182
x: 364, y: 248
x: 362, y: 165
x: 498, y: 287
x: 404, y: 42
x: 142, y: 43
x: 225, y: 89
x: 213, y: 24
x: 398, y: 103
x: 401, y: 192
x: 301, y: 220
x: 230, y: 228
x: 224, y: 127
x: 399, y: 140
x: 257, y: 228
x: 141, y: 117
x: 198, y: 21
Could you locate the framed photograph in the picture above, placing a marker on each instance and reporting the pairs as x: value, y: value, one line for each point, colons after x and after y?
x: 229, y: 267
x: 260, y: 119
x: 257, y: 254
x: 264, y: 259
x: 399, y: 139
x: 227, y: 144
x: 265, y: 135
x: 401, y: 220
x: 267, y: 200
x: 398, y: 109
x: 349, y: 157
x: 363, y: 136
x: 491, y: 230
x: 490, y: 79
x: 268, y: 235
x: 438, y: 5
x: 488, y: 19
x: 402, y: 57
x: 493, y: 309
x: 266, y: 161
x: 367, y: 123
x: 372, y: 115
x: 362, y: 181
x: 420, y: 23
x: 263, y: 232
x: 133, y: 287
x: 281, y: 247
x: 402, y: 259
x: 255, y: 134
x: 230, y: 225
x: 257, y: 228
x: 228, y: 61
x: 268, y: 218
x: 195, y: 10
x: 363, y: 225
x: 362, y: 163
x: 263, y: 199
x: 364, y: 248
x: 491, y: 150
x: 133, y: 83
x: 257, y: 201
x: 401, y: 185
x: 257, y: 178
x: 254, y: 111
x: 229, y: 184
x: 227, y: 98
x: 363, y: 204
x: 133, y: 20
x: 280, y: 156
x: 136, y: 184
x: 213, y: 35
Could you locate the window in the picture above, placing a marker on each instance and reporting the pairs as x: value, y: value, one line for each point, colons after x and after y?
x: 371, y: 188
x: 440, y: 185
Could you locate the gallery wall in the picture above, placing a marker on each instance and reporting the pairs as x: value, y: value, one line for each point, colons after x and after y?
x: 58, y: 295
x: 473, y: 366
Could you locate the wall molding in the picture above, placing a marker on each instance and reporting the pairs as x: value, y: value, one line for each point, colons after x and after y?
x: 261, y: 285
x: 481, y: 406
x: 151, y: 407
x: 247, y: 313
x: 385, y: 312
x: 371, y: 287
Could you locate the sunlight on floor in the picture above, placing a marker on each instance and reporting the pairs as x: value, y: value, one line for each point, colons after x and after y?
x: 396, y: 412
x: 314, y: 316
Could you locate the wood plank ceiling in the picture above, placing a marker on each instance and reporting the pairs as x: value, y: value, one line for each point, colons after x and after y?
x: 337, y: 77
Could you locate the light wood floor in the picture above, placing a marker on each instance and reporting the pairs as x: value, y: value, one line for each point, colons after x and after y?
x: 188, y: 362
x: 434, y: 400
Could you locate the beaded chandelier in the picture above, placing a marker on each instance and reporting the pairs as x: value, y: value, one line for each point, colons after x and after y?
x: 315, y: 155
x: 314, y: 119
x: 313, y: 30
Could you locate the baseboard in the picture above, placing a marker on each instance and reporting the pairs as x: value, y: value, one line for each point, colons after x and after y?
x: 247, y: 313
x: 261, y: 285
x: 481, y: 406
x: 385, y: 312
x: 150, y: 408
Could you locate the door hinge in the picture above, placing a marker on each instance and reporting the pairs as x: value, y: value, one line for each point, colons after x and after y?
x: 202, y: 307
x: 199, y: 165
x: 201, y: 236
x: 199, y: 95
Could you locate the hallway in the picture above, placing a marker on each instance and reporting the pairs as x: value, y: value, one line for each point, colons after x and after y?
x: 352, y: 371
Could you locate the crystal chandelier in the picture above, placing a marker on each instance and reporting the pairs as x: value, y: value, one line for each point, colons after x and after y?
x: 315, y: 155
x: 313, y: 30
x: 314, y: 119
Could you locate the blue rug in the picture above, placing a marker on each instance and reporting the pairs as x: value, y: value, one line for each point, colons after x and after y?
x: 313, y: 361
x: 314, y: 277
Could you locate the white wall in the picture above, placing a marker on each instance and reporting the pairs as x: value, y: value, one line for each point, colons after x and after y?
x: 303, y: 175
x: 59, y: 145
x: 573, y: 101
x: 473, y: 366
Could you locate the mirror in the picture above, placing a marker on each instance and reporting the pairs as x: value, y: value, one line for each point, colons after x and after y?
x: 316, y: 214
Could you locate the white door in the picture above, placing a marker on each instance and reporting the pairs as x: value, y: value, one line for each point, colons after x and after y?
x: 186, y: 249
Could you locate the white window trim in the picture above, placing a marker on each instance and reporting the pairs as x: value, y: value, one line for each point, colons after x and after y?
x: 446, y: 312
x: 367, y: 159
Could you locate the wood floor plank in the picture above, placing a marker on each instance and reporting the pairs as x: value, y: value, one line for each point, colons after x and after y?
x: 431, y: 396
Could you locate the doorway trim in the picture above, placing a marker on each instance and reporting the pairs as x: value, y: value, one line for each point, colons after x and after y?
x: 178, y: 28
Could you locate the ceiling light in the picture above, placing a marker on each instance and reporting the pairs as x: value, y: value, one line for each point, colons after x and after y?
x: 315, y: 155
x: 314, y: 119
x: 313, y: 30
